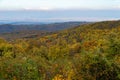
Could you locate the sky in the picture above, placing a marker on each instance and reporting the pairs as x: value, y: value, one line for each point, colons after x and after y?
x: 59, y: 10
x: 59, y: 4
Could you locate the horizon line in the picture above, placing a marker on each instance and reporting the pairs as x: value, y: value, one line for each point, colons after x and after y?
x: 56, y: 9
x: 61, y: 21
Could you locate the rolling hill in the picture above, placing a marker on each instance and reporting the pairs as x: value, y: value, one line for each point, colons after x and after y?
x: 34, y: 31
x: 85, y: 52
x: 5, y: 28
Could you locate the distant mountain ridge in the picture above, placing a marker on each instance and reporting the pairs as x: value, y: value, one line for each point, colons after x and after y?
x: 76, y: 28
x: 13, y: 27
x: 2, y: 22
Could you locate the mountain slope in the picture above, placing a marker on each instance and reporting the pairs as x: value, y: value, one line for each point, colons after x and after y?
x: 25, y: 34
x: 86, y: 52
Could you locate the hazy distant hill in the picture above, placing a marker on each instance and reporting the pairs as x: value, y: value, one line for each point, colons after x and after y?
x: 35, y: 31
x: 43, y: 27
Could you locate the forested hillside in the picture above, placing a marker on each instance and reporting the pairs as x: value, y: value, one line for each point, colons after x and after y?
x: 86, y: 52
x: 24, y: 34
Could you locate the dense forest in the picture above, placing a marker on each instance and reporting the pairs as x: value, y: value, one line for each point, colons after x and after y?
x: 85, y: 52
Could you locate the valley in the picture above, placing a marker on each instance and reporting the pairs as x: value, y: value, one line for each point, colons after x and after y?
x: 83, y: 52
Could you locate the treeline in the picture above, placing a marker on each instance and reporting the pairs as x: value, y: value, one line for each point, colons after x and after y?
x: 82, y: 53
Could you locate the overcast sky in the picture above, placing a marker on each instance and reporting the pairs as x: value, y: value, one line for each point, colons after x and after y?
x: 59, y: 10
x: 59, y: 4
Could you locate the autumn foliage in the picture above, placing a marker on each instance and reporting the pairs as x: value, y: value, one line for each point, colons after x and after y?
x: 88, y: 52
